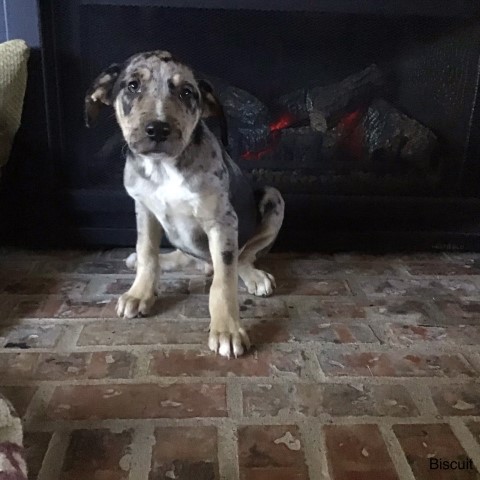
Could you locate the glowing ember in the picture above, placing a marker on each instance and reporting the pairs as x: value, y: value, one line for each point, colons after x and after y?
x: 351, y: 135
x: 283, y: 122
x: 350, y: 120
x: 349, y: 127
x: 250, y: 155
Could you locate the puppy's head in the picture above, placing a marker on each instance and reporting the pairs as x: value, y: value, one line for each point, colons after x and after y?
x: 157, y: 100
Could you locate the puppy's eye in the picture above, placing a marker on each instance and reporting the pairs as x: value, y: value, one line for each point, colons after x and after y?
x: 186, y: 93
x: 134, y: 86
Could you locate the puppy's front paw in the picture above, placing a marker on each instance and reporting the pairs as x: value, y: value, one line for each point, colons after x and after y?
x: 130, y: 305
x: 228, y: 342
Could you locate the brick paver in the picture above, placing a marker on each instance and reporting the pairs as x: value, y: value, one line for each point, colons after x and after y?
x: 402, y: 363
x: 456, y: 400
x: 137, y: 401
x: 65, y: 366
x: 363, y: 367
x: 142, y: 332
x: 36, y: 445
x: 475, y: 429
x: 200, y: 363
x: 185, y: 453
x: 334, y: 399
x: 273, y: 452
x: 20, y: 397
x: 428, y: 447
x: 98, y: 453
x: 358, y: 452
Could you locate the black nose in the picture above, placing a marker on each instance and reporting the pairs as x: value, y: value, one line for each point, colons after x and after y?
x: 158, y: 131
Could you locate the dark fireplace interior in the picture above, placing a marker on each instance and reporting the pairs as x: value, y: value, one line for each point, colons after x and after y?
x: 321, y: 103
x: 367, y: 122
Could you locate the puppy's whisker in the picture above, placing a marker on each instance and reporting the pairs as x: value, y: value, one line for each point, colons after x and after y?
x: 125, y: 150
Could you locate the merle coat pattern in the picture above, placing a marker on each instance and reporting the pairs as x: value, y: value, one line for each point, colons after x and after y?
x: 186, y: 185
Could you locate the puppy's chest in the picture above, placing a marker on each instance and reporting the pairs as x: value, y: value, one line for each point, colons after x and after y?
x: 169, y: 194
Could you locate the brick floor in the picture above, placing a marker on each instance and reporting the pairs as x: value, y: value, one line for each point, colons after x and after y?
x: 363, y: 367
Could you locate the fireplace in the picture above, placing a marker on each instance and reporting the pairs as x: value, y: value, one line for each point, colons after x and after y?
x: 363, y: 114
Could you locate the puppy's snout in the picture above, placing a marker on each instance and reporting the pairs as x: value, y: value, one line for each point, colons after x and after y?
x: 158, y: 131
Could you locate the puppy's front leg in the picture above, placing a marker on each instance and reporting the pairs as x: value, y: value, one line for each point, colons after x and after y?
x: 226, y: 335
x: 141, y: 296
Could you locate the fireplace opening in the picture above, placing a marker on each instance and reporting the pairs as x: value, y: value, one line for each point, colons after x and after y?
x: 316, y: 103
x: 363, y: 114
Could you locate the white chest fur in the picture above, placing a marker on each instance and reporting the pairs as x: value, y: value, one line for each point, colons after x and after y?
x: 182, y: 204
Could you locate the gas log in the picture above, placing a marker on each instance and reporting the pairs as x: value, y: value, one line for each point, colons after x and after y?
x: 331, y: 102
x: 391, y: 135
x: 239, y: 105
x: 253, y: 139
x: 297, y: 146
x: 331, y: 124
x: 247, y: 117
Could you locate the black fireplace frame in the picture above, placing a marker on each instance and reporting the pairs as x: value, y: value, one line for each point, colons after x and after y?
x: 36, y: 210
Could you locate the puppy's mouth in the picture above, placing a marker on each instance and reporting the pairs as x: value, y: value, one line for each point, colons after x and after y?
x: 147, y: 146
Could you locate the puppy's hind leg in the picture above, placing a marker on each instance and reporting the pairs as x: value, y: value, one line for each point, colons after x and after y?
x: 271, y: 207
x: 172, y: 261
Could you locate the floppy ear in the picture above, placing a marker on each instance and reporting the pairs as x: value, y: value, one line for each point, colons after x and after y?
x: 100, y: 93
x: 213, y: 108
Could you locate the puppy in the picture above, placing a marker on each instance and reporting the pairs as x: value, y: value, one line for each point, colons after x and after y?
x: 186, y: 186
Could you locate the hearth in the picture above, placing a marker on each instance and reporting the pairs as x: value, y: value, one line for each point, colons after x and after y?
x: 364, y: 116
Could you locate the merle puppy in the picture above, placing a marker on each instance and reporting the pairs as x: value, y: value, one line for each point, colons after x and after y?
x: 185, y: 185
